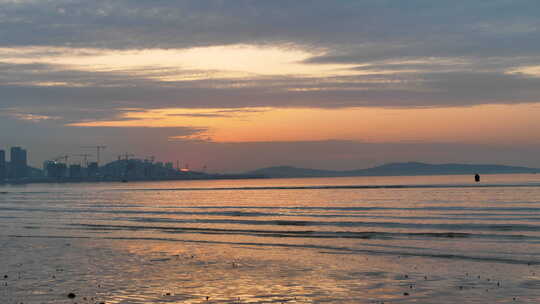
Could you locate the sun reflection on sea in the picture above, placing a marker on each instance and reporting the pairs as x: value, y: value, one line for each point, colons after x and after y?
x: 256, y: 241
x: 176, y: 273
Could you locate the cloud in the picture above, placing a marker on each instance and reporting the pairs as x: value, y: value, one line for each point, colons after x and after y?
x: 377, y: 28
x: 114, y: 91
x: 91, y: 57
x: 67, y: 62
x: 218, y: 113
x: 204, y: 115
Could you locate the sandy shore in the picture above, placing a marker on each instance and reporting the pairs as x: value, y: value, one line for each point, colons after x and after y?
x: 47, y: 270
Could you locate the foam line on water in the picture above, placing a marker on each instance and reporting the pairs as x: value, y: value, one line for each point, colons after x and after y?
x: 336, y: 249
x: 307, y: 233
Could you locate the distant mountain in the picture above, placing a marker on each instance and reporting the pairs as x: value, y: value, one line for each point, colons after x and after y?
x: 394, y: 169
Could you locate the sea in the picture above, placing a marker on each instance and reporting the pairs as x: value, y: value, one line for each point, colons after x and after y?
x: 420, y: 239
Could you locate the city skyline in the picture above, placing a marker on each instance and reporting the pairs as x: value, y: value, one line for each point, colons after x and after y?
x: 242, y: 85
x: 129, y: 167
x: 64, y: 169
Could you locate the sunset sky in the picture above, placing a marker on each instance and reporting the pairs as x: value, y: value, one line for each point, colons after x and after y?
x: 242, y: 84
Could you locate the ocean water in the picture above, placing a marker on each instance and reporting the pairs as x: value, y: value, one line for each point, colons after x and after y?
x: 430, y: 239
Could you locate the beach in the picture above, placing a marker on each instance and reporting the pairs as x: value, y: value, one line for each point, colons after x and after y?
x: 434, y: 239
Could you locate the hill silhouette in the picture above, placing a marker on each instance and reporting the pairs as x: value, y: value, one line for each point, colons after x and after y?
x: 395, y: 169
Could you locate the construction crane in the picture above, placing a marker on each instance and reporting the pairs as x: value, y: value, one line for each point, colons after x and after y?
x: 98, y: 150
x: 64, y: 157
x: 85, y: 157
x: 126, y: 156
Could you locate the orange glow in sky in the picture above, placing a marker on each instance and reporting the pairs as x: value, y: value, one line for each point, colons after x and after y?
x: 479, y: 124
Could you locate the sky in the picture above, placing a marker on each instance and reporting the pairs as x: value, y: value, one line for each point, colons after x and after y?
x: 241, y: 84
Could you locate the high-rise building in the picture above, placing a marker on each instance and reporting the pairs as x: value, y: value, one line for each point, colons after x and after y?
x: 3, y: 168
x: 18, y: 163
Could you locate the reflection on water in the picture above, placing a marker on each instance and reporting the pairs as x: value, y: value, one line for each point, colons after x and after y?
x: 336, y: 240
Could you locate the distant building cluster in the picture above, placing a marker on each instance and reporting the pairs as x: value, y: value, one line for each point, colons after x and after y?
x: 121, y: 169
x: 58, y: 170
x: 17, y: 166
x: 63, y: 169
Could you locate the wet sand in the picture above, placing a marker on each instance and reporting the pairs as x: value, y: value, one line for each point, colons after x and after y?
x: 46, y: 270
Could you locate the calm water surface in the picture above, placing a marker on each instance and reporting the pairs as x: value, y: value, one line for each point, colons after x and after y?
x: 436, y: 239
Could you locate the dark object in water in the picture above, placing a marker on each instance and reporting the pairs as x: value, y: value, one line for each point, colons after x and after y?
x: 477, y: 177
x: 71, y: 295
